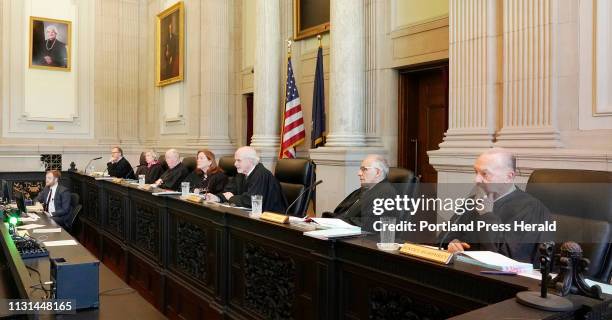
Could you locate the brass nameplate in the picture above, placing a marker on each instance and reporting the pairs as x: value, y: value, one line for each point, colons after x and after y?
x: 117, y: 180
x: 192, y: 198
x: 427, y: 253
x: 275, y: 217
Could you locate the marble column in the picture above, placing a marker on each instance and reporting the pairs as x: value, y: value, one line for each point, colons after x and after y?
x: 530, y: 75
x: 267, y: 84
x: 347, y: 77
x: 474, y: 75
x: 216, y: 57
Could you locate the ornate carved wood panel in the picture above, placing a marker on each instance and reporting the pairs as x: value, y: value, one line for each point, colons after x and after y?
x: 92, y: 212
x: 190, y: 249
x: 146, y: 229
x: 115, y: 216
x: 269, y: 281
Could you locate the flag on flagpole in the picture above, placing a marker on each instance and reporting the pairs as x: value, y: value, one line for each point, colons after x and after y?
x: 317, y: 135
x: 293, y: 132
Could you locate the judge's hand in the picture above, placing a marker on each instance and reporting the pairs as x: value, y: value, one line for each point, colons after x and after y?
x: 212, y: 197
x: 48, y: 60
x: 196, y: 190
x: 228, y: 195
x: 158, y: 182
x: 457, y: 246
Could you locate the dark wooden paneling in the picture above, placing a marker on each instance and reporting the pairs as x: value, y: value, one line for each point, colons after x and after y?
x: 146, y: 279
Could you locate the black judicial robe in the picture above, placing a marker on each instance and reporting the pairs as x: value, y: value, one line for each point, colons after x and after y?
x: 151, y: 174
x: 260, y: 181
x: 357, y: 207
x: 172, y: 178
x: 215, y: 183
x: 121, y: 169
x: 517, y: 245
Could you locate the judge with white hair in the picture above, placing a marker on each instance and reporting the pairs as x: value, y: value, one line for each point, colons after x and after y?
x: 252, y: 179
x: 356, y: 208
x: 171, y: 179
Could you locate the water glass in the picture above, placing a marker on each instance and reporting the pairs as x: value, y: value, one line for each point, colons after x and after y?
x: 184, y: 188
x: 91, y: 169
x: 256, y: 204
x: 141, y: 180
x: 387, y: 230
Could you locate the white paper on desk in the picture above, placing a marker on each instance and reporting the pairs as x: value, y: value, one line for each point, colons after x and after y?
x: 28, y: 219
x: 327, y: 234
x: 49, y: 230
x: 496, y: 261
x: 60, y: 243
x: 104, y: 178
x: 165, y: 193
x: 30, y: 226
x: 35, y: 208
x: 605, y: 288
x: 333, y: 223
x: 535, y: 274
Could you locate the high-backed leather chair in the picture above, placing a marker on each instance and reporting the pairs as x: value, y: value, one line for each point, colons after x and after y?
x: 295, y: 175
x: 190, y: 163
x: 162, y: 161
x: 581, y: 203
x: 227, y: 164
x: 403, y: 180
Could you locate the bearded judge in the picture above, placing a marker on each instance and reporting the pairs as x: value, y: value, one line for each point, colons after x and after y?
x: 252, y: 179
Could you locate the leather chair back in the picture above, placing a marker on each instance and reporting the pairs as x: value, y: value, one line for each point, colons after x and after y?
x: 190, y: 163
x: 402, y: 179
x: 162, y: 161
x: 227, y: 164
x: 295, y: 175
x: 581, y: 203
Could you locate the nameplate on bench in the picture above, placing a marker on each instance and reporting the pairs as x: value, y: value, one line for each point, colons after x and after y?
x: 275, y: 217
x: 192, y: 198
x: 427, y: 253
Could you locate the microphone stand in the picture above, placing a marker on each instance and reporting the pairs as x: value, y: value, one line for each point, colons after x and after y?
x: 90, y: 161
x: 310, y: 188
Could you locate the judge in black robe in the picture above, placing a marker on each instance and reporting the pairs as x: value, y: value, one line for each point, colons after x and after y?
x: 118, y: 166
x: 504, y: 204
x: 253, y: 179
x: 357, y: 207
x: 208, y: 176
x: 172, y: 178
x: 518, y: 245
x: 150, y: 167
x: 176, y: 173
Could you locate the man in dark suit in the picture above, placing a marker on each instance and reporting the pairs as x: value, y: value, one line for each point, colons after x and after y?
x: 56, y: 199
x: 118, y: 166
x: 356, y: 208
x: 252, y: 179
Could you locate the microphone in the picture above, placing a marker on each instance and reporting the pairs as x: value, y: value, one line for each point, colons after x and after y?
x: 90, y: 161
x: 473, y: 193
x: 312, y: 187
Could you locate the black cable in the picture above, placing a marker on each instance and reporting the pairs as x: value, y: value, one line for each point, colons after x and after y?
x: 42, y: 286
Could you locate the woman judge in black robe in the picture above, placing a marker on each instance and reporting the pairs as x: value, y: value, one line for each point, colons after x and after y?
x: 208, y: 176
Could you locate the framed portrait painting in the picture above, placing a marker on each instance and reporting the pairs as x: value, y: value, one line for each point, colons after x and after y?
x: 169, y: 45
x: 50, y: 42
x: 310, y: 18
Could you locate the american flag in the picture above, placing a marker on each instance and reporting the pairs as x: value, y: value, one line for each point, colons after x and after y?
x: 293, y: 132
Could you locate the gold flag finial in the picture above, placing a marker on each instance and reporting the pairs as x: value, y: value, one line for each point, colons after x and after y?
x: 319, y: 38
x: 289, y: 43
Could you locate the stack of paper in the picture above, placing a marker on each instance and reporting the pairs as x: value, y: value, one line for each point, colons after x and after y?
x: 493, y: 260
x: 35, y: 208
x: 165, y: 193
x: 332, y: 228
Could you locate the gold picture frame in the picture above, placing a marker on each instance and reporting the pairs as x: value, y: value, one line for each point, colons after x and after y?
x: 168, y: 70
x: 302, y: 29
x: 50, y: 44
